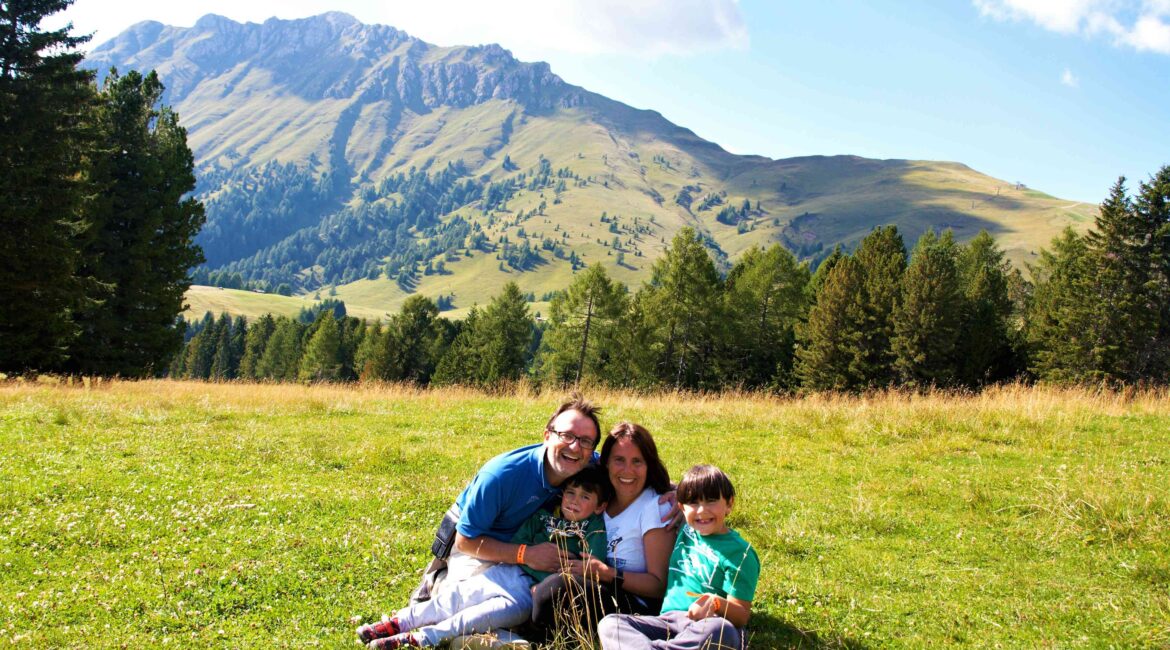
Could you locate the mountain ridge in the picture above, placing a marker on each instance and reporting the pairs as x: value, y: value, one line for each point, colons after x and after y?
x: 299, y: 128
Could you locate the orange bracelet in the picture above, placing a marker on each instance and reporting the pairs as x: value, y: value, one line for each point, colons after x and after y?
x: 520, y: 554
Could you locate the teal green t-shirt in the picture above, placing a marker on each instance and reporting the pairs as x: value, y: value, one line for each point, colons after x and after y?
x: 576, y: 537
x: 725, y: 565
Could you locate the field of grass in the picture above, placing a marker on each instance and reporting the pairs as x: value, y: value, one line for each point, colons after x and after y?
x: 223, y: 515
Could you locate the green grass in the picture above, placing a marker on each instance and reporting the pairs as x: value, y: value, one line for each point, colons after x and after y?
x: 197, y: 515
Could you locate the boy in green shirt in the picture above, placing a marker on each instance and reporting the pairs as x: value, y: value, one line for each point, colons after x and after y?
x: 711, y: 580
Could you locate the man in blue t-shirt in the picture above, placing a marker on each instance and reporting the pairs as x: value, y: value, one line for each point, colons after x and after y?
x: 511, y: 487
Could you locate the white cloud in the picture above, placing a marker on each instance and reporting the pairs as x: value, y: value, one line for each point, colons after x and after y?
x: 639, y: 27
x: 1069, y: 79
x: 1141, y: 24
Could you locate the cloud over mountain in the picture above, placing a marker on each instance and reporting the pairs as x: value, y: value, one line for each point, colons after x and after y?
x: 1144, y: 25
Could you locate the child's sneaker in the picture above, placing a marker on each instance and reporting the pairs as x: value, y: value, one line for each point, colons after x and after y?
x: 404, y: 640
x: 385, y: 628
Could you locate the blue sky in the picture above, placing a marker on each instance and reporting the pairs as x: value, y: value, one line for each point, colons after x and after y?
x: 1063, y: 96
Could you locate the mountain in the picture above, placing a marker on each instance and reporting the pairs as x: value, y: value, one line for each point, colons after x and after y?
x: 355, y: 157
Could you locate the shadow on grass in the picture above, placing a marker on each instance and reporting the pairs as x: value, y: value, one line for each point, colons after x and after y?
x: 767, y: 631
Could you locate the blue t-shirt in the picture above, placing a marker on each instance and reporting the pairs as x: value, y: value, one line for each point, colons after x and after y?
x: 508, y: 490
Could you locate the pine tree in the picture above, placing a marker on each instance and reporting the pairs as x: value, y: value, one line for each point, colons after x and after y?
x: 765, y: 296
x: 370, y: 358
x: 579, y: 342
x: 201, y: 349
x: 829, y: 348
x: 928, y: 317
x: 45, y: 101
x: 683, y: 305
x: 462, y: 361
x: 320, y: 361
x: 141, y: 244
x: 882, y: 256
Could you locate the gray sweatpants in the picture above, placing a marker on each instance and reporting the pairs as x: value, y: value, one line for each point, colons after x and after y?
x: 670, y: 631
x: 499, y: 597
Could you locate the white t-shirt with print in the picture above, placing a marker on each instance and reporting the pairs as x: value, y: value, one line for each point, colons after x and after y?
x: 624, y: 532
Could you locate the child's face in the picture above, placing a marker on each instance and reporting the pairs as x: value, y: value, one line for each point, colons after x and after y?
x: 577, y: 503
x: 708, y: 516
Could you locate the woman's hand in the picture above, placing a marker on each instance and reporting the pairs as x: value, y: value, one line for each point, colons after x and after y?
x: 675, y: 516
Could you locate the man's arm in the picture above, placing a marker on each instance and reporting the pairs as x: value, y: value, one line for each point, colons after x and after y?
x: 542, y: 557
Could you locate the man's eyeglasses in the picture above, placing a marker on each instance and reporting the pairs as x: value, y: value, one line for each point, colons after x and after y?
x: 568, y: 438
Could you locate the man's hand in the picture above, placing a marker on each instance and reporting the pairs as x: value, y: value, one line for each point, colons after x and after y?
x: 545, y: 557
x: 706, y: 606
x: 675, y: 516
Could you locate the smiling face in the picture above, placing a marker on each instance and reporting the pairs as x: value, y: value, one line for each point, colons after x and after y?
x: 578, y: 503
x: 566, y: 459
x: 708, y: 516
x: 627, y: 470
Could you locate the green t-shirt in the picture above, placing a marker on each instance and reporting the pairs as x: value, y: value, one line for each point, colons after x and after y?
x: 573, y: 536
x: 724, y: 565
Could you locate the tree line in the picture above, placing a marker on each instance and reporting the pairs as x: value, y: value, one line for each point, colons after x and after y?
x: 97, y: 230
x: 943, y: 315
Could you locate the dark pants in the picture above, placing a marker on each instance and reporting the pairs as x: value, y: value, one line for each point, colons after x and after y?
x: 670, y: 631
x: 573, y: 605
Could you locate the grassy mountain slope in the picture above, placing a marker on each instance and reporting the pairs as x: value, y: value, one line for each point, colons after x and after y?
x: 297, y: 125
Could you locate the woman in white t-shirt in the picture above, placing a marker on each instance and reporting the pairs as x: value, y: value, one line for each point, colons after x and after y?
x: 633, y: 575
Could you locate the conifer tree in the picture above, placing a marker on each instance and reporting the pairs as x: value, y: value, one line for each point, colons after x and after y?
x: 633, y: 363
x: 882, y: 256
x: 222, y: 366
x: 683, y: 305
x: 370, y: 358
x: 321, y: 361
x: 254, y: 343
x: 1060, y: 313
x: 829, y: 350
x: 461, y: 363
x: 282, y: 354
x: 503, y: 337
x: 765, y: 295
x: 985, y: 351
x: 928, y: 317
x: 141, y: 243
x: 412, y: 343
x: 579, y: 342
x: 45, y: 101
x: 201, y: 349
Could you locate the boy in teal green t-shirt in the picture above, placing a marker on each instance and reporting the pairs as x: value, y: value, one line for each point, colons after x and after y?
x: 711, y: 581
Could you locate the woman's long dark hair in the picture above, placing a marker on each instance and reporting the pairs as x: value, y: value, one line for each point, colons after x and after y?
x: 656, y: 475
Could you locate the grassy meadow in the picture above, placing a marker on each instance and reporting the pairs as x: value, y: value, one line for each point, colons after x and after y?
x: 177, y: 514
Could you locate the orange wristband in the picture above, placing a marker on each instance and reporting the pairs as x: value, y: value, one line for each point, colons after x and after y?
x: 520, y: 554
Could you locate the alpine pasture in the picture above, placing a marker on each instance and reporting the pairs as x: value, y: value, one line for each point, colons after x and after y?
x: 176, y: 514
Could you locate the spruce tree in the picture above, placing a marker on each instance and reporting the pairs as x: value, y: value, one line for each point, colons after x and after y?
x: 45, y: 102
x: 412, y: 341
x: 829, y: 348
x: 222, y: 366
x: 369, y: 359
x: 882, y: 256
x: 141, y: 243
x: 928, y: 316
x: 321, y: 360
x: 765, y: 296
x: 201, y: 349
x: 683, y: 305
x: 254, y: 343
x: 503, y: 337
x: 282, y: 354
x: 1061, y: 312
x: 579, y: 342
x: 985, y: 352
x: 462, y: 361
